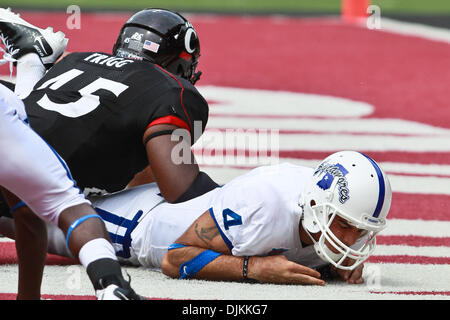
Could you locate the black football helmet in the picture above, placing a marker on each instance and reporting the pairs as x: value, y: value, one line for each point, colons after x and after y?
x: 162, y: 37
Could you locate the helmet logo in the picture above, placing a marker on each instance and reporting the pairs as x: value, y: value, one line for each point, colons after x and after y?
x: 333, y: 171
x: 187, y: 37
x: 137, y: 36
x: 135, y: 41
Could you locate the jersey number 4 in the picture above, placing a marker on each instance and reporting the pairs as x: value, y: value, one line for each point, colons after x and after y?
x: 231, y: 218
x: 88, y: 101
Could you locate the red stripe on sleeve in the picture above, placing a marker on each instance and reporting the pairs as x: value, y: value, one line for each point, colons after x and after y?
x: 170, y: 120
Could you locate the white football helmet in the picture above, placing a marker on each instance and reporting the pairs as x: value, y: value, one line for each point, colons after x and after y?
x: 351, y: 185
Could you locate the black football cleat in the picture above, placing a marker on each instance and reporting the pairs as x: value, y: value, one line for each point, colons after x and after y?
x: 113, y: 292
x: 20, y: 37
x: 117, y: 292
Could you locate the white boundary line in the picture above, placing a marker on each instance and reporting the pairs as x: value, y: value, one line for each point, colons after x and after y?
x: 415, y: 29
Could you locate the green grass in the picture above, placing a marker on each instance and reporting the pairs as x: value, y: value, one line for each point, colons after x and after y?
x: 414, y: 6
x: 387, y: 6
x: 214, y: 5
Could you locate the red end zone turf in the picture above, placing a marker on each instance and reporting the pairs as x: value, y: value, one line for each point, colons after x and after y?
x: 402, y: 78
x: 8, y: 256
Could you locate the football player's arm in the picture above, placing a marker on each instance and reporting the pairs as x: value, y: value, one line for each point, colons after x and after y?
x: 172, y: 163
x: 31, y: 247
x: 203, y: 235
x: 140, y: 178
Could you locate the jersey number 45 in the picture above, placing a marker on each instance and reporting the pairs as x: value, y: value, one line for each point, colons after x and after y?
x: 88, y: 101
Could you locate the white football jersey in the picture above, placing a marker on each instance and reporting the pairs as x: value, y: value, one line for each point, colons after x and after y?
x: 256, y: 214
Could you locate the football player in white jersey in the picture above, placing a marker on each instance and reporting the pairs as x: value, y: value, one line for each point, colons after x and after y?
x: 274, y: 224
x: 32, y: 172
x: 32, y: 49
x: 333, y: 212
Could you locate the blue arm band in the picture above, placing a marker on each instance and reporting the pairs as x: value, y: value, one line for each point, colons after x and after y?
x: 17, y: 206
x: 191, y: 267
x: 176, y: 246
x: 77, y: 222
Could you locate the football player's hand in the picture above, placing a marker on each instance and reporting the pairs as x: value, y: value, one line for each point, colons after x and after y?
x: 350, y: 276
x: 278, y: 269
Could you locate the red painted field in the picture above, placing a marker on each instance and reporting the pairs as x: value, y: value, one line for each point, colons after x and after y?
x: 325, y: 86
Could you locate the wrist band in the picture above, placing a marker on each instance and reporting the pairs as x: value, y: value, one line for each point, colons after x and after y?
x: 245, y: 271
x: 245, y: 268
x: 190, y: 268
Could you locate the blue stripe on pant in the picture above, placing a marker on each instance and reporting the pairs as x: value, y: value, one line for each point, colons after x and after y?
x: 130, y: 225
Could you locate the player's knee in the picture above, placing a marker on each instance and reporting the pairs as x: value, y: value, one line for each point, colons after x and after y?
x: 10, y: 104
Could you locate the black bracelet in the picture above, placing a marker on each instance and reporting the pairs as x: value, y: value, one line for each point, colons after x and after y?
x: 245, y: 268
x: 245, y: 271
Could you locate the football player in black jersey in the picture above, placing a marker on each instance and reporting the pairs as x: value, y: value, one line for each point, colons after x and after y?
x: 110, y: 116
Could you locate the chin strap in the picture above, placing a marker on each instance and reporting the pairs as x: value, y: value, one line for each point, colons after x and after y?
x: 322, y: 251
x: 195, y: 77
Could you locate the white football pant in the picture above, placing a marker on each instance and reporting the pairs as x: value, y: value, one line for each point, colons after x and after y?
x: 29, y: 167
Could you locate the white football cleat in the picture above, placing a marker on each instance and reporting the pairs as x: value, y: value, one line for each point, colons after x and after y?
x: 113, y: 292
x: 20, y: 37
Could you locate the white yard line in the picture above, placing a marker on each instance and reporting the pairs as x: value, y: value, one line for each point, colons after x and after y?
x: 72, y: 280
x: 390, y: 167
x: 399, y: 183
x: 326, y: 142
x: 423, y: 228
x: 415, y: 29
x: 426, y: 251
x: 324, y: 125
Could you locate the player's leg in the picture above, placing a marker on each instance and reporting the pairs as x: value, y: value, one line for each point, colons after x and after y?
x: 31, y: 244
x: 56, y: 239
x: 28, y: 164
x: 32, y: 48
x: 7, y: 227
x: 37, y: 175
x: 30, y: 70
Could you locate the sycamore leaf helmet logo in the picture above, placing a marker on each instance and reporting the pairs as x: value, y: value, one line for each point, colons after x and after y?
x: 334, y: 171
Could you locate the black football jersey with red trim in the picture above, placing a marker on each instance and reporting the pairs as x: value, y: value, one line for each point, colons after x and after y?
x: 93, y: 109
